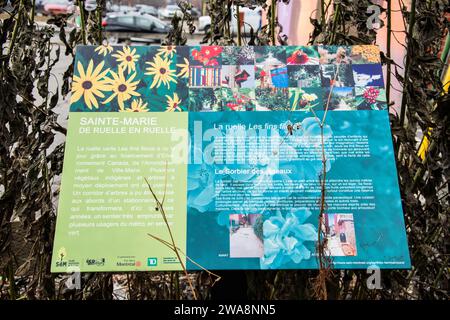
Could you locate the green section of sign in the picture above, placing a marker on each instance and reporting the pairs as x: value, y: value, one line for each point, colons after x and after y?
x: 106, y: 211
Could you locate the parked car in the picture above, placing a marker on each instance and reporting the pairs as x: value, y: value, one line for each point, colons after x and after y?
x: 145, y: 9
x: 121, y: 8
x: 252, y: 17
x: 39, y: 5
x: 134, y: 27
x: 195, y: 13
x: 169, y: 11
x: 57, y: 7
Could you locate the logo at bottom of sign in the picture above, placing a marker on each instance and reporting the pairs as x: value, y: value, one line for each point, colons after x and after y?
x: 152, y: 262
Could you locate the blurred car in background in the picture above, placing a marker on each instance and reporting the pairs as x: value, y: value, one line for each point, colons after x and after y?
x: 39, y: 5
x: 195, y: 13
x: 121, y: 8
x: 169, y: 11
x: 134, y: 27
x: 145, y: 9
x: 7, y: 6
x: 57, y: 7
x: 251, y: 18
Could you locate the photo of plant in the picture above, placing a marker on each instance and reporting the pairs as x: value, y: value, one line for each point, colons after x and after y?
x: 305, y: 99
x: 342, y: 98
x: 238, y: 76
x: 302, y: 55
x: 370, y: 98
x: 272, y: 99
x: 281, y: 228
x: 366, y: 75
x: 206, y: 55
x: 340, y: 234
x: 244, y: 239
x: 233, y: 55
x: 205, y: 99
x: 334, y: 54
x: 238, y: 99
x: 304, y: 76
x: 365, y: 54
x: 340, y: 78
x: 270, y: 55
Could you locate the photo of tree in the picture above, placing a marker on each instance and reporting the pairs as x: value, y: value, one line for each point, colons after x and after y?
x: 238, y: 99
x: 272, y: 99
x: 270, y: 55
x: 205, y: 99
x: 339, y: 75
x: 304, y: 76
x: 238, y: 55
x: 342, y: 98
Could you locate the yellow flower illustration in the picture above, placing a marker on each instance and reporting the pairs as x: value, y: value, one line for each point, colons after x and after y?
x: 104, y: 49
x: 127, y: 58
x: 161, y: 72
x: 173, y: 103
x: 184, y: 72
x: 122, y: 88
x: 166, y: 51
x: 90, y: 84
x: 137, y: 105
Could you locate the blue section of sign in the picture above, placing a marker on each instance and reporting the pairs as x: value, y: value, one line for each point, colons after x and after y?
x: 254, y: 193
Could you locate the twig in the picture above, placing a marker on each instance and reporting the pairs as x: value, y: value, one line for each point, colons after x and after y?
x: 273, y: 21
x: 238, y: 19
x: 335, y: 17
x: 336, y: 74
x: 169, y: 245
x: 324, y: 261
x: 163, y: 214
x: 15, y: 31
x: 33, y: 11
x: 412, y: 21
x: 388, y: 51
x: 322, y: 12
x: 99, y: 22
x: 83, y: 22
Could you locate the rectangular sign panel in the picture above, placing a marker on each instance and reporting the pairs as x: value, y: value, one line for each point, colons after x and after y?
x: 239, y: 190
